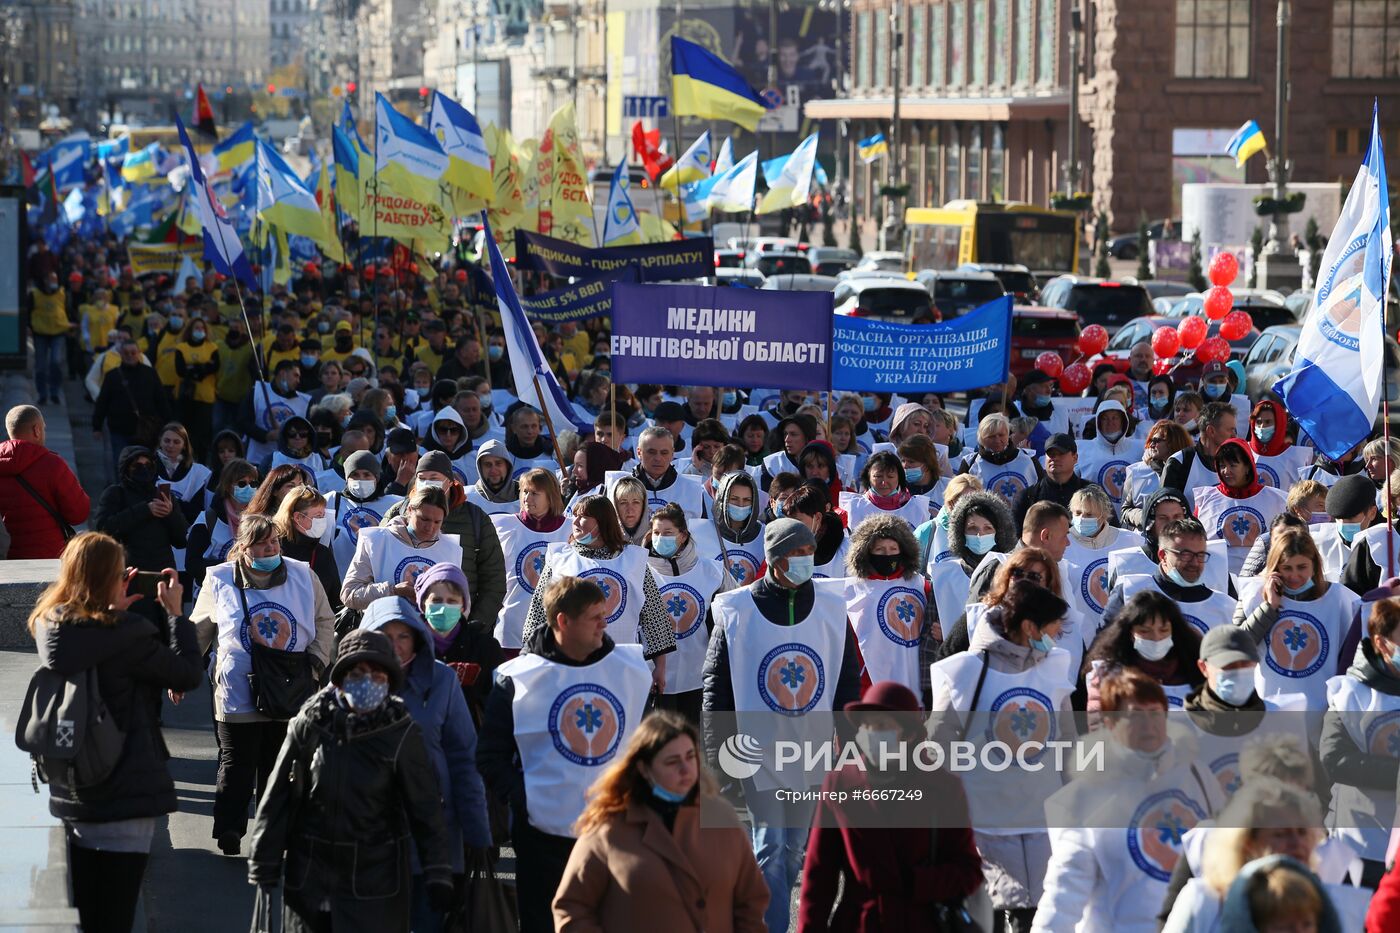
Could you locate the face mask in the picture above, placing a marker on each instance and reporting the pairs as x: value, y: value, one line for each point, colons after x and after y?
x: 266, y: 564
x: 1298, y: 590
x: 877, y: 744
x: 586, y: 540
x: 143, y: 474
x: 318, y: 527
x: 197, y: 335
x: 308, y: 360
x: 281, y: 386
x: 360, y: 488
x: 177, y: 322
x: 669, y: 796
x: 1042, y: 644
x: 1159, y: 402
x: 443, y: 617
x: 244, y: 494
x: 665, y: 545
x: 777, y: 509
x: 1348, y: 530
x: 1037, y: 401
x: 729, y: 399
x: 884, y: 564
x: 1190, y: 426
x: 485, y: 402
x: 430, y: 483
x: 1152, y: 650
x: 981, y: 544
x: 391, y: 412
x: 1113, y: 437
x: 363, y: 693
x: 494, y: 353
x: 1233, y: 688
x: 323, y: 327
x: 800, y: 569
x: 1213, y: 389
x: 1264, y: 434
x: 868, y: 403
x: 944, y: 517
x: 1175, y: 576
x: 1086, y: 526
x: 914, y: 475
x: 354, y: 293
x: 741, y: 513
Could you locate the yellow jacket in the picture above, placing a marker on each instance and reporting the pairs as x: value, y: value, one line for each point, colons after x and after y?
x: 165, y: 359
x: 193, y: 355
x: 96, y: 321
x: 50, y: 315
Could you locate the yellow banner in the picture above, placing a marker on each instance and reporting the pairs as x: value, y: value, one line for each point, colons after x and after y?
x: 414, y: 223
x: 162, y: 258
x: 565, y: 210
x: 508, y: 212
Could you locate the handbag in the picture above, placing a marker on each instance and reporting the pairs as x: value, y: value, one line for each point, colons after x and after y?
x: 68, y: 531
x: 281, y: 681
x: 489, y: 906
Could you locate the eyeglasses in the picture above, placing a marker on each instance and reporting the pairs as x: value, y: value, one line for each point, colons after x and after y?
x: 245, y: 484
x: 1156, y: 441
x: 300, y: 434
x: 1189, y: 557
x: 449, y: 429
x: 1034, y: 576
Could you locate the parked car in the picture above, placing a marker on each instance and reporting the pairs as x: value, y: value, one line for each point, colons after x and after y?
x: 830, y: 260
x: 1121, y: 345
x: 880, y: 261
x: 801, y: 283
x: 1036, y: 329
x: 1159, y: 289
x: 885, y: 298
x: 742, y: 278
x: 956, y: 293
x: 1126, y: 245
x: 785, y: 244
x: 1299, y: 302
x: 1014, y: 277
x: 729, y: 259
x: 1266, y: 308
x: 1104, y: 302
x: 775, y: 262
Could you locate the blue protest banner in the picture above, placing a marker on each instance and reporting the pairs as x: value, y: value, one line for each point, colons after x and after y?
x: 967, y: 353
x: 690, y: 258
x: 703, y: 335
x: 580, y: 301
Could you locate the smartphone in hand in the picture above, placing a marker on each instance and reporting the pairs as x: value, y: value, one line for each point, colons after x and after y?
x: 145, y: 583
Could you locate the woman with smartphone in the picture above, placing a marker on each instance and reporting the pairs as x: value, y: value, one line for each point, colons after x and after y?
x: 141, y: 513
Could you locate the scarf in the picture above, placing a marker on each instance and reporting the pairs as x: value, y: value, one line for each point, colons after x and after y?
x: 546, y: 524
x: 443, y: 643
x: 894, y: 500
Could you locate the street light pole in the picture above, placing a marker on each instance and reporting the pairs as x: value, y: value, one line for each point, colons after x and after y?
x: 1279, y: 166
x: 892, y: 230
x: 1076, y: 34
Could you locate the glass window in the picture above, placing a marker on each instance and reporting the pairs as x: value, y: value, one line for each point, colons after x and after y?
x: 918, y: 42
x: 931, y: 173
x: 996, y: 165
x: 952, y: 164
x: 1366, y: 38
x: 974, y: 163
x: 1001, y: 13
x: 937, y: 42
x: 979, y: 42
x: 882, y: 49
x: 863, y: 49
x: 1046, y: 29
x: 1212, y: 39
x: 957, y: 43
x: 1021, y: 30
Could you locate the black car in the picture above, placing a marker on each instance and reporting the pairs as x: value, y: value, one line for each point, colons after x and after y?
x: 1097, y: 301
x: 1126, y: 245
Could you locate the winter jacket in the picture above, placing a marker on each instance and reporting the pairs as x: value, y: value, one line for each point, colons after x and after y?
x: 129, y: 393
x: 321, y: 561
x: 894, y: 877
x: 434, y: 700
x: 509, y: 491
x: 1364, y: 570
x: 1343, y: 761
x: 634, y: 873
x: 752, y: 526
x: 1384, y: 915
x: 482, y: 559
x: 308, y: 459
x: 35, y: 535
x: 124, y: 512
x: 134, y: 668
x: 1178, y: 469
x: 1237, y: 915
x: 349, y: 797
x: 1046, y: 490
x: 198, y: 541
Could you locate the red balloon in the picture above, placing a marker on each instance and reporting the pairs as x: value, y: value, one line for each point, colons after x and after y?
x: 1236, y: 325
x: 1092, y: 340
x: 1219, y: 301
x: 1192, y: 331
x: 1214, y: 350
x: 1161, y: 367
x: 1050, y: 363
x: 1223, y: 269
x: 1165, y: 342
x: 1075, y: 379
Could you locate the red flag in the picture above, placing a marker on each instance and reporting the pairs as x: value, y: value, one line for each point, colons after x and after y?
x: 647, y: 145
x: 28, y: 171
x: 204, y: 114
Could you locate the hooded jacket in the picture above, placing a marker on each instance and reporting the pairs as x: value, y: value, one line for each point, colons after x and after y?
x: 1279, y: 442
x: 509, y: 491
x: 988, y: 504
x: 34, y: 533
x: 1253, y: 487
x: 134, y: 668
x: 124, y: 512
x: 434, y: 441
x: 1237, y: 914
x: 434, y: 699
x: 1342, y: 759
x: 1154, y: 414
x: 752, y: 527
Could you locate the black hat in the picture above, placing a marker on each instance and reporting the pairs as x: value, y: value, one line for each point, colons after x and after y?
x: 366, y: 645
x: 1033, y: 378
x: 1351, y: 495
x: 667, y: 412
x: 400, y: 441
x: 1064, y: 442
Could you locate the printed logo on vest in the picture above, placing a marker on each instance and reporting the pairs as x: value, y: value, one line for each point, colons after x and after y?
x: 684, y: 605
x: 1111, y: 477
x: 275, y: 414
x: 1383, y: 735
x: 1226, y: 769
x: 529, y: 563
x: 1298, y: 645
x: 1019, y: 716
x: 1008, y: 485
x: 1268, y: 476
x: 1155, y: 831
x: 357, y: 518
x: 1240, y: 525
x: 614, y: 591
x: 743, y: 566
x: 791, y: 679
x: 270, y: 624
x: 586, y: 723
x: 1194, y: 622
x: 410, y: 567
x: 900, y: 613
x: 1093, y: 585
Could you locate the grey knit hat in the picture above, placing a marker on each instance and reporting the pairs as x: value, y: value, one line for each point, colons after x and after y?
x: 362, y: 460
x: 782, y: 536
x: 437, y: 462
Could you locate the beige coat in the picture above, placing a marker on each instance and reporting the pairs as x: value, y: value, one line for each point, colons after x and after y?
x: 633, y: 874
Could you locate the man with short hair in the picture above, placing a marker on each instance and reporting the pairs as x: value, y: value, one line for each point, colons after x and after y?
x: 555, y: 717
x: 656, y: 454
x: 35, y: 483
x: 130, y: 395
x: 1163, y: 507
x: 1195, y: 466
x: 1060, y: 482
x: 1182, y: 557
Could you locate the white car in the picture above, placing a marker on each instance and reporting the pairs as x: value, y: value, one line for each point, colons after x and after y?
x: 884, y: 298
x: 800, y: 283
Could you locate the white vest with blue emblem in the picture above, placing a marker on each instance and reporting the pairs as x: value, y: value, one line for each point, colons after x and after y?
x: 270, y: 410
x: 281, y: 617
x: 889, y: 619
x: 348, y: 517
x: 524, y: 552
x: 1283, y: 715
x: 570, y: 722
x: 464, y: 468
x: 951, y: 586
x: 686, y: 599
x: 1335, y: 552
x: 1088, y: 579
x: 1007, y: 480
x: 311, y: 464
x: 1107, y: 465
x: 741, y: 560
x: 916, y: 511
x: 1216, y: 610
x: 1283, y: 470
x: 1238, y: 522
x: 686, y: 491
x: 1132, y: 560
x: 620, y: 579
x: 519, y: 466
x: 1299, y: 654
x: 834, y: 569
x: 394, y: 561
x: 1074, y: 636
x: 1014, y: 709
x: 220, y: 543
x: 1364, y: 815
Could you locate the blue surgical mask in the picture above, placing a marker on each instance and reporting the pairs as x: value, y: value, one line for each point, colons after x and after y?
x: 323, y: 327
x: 729, y: 399
x: 665, y: 545
x: 586, y: 540
x: 177, y: 322
x: 1158, y: 402
x: 981, y: 544
x: 244, y: 494
x: 266, y: 564
x: 443, y: 617
x: 363, y: 693
x: 1175, y: 576
x: 914, y: 475
x: 944, y: 517
x: 354, y: 293
x: 800, y: 569
x: 1233, y: 687
x: 1086, y: 526
x: 669, y: 796
x: 1213, y: 390
x: 494, y: 353
x: 308, y: 360
x: 1043, y: 644
x: 868, y: 403
x: 777, y: 509
x: 391, y: 412
x: 1348, y: 530
x: 1264, y: 434
x: 741, y: 513
x: 1298, y: 590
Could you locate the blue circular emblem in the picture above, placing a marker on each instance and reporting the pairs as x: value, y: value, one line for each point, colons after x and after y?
x: 614, y: 591
x: 271, y: 624
x: 791, y: 679
x: 900, y: 613
x: 1007, y: 484
x: 1019, y: 716
x: 1297, y: 645
x: 586, y: 723
x: 1226, y: 769
x: 1093, y: 585
x: 684, y: 604
x: 359, y: 517
x: 410, y: 567
x: 1156, y: 829
x: 529, y: 563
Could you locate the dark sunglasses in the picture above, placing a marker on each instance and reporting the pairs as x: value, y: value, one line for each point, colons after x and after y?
x: 1035, y: 576
x: 300, y: 434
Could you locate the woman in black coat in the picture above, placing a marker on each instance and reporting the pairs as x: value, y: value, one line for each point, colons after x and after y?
x: 302, y: 524
x: 80, y: 622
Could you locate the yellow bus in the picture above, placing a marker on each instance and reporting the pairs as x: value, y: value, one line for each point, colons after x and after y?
x: 944, y: 238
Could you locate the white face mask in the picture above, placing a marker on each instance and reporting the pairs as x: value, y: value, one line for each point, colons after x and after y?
x: 876, y: 744
x: 360, y: 488
x: 318, y: 526
x: 1152, y: 650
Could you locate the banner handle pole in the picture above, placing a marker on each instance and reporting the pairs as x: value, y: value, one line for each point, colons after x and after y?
x: 553, y: 434
x: 1390, y: 519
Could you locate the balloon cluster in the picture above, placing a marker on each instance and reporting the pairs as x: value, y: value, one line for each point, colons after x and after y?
x: 1075, y: 377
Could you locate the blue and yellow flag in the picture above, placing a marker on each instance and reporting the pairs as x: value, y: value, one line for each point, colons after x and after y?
x: 238, y: 148
x: 459, y: 135
x: 347, y: 170
x: 141, y: 164
x: 872, y: 147
x: 1247, y: 140
x: 705, y: 85
x: 406, y: 154
x: 285, y: 202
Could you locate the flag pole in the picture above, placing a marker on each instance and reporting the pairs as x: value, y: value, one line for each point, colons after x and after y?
x: 549, y: 420
x: 1385, y: 433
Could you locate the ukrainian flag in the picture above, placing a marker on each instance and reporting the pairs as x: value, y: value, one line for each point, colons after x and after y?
x: 459, y: 135
x: 237, y: 148
x: 406, y: 155
x: 872, y: 147
x: 693, y: 166
x: 347, y: 170
x: 285, y: 202
x: 1247, y: 140
x: 141, y: 164
x: 705, y: 85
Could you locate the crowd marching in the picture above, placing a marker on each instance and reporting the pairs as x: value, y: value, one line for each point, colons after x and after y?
x: 437, y: 625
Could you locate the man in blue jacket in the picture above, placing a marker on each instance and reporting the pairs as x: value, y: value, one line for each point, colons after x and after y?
x: 434, y: 698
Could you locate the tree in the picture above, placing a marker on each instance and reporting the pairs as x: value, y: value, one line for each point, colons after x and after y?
x: 1144, y: 269
x: 1196, y: 275
x: 1256, y: 246
x: 1101, y: 269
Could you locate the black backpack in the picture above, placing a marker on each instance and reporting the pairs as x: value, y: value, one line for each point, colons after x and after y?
x: 67, y: 729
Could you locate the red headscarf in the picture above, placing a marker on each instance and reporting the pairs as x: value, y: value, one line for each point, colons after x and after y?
x: 1254, y: 485
x: 1279, y: 442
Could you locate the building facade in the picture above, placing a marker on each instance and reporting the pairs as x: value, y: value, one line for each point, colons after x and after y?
x: 38, y: 60
x: 288, y: 22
